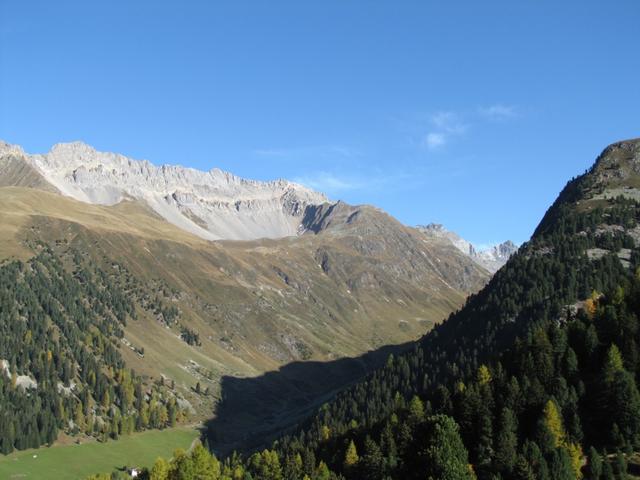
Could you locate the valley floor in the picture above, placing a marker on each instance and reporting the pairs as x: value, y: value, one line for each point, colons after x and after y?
x: 79, y: 461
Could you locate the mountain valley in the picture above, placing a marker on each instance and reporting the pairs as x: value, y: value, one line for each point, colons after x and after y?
x: 308, y: 339
x: 335, y: 281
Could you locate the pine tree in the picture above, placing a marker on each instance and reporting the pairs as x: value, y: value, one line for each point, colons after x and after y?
x: 620, y: 469
x: 506, y: 442
x: 536, y: 460
x: 607, y: 469
x: 445, y: 457
x: 560, y: 467
x: 623, y: 407
x: 372, y: 460
x: 522, y: 470
x: 595, y: 465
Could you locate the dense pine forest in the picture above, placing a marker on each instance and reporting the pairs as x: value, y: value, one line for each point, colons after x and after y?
x: 536, y: 377
x: 61, y: 326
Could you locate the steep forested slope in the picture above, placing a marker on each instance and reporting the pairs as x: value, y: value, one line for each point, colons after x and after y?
x: 536, y: 376
x: 61, y: 331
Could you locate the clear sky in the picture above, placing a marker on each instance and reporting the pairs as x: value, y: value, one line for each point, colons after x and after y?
x: 469, y: 113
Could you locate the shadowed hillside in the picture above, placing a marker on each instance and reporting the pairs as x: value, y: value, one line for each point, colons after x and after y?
x: 254, y: 410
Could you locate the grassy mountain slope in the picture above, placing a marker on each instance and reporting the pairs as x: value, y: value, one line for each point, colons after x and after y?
x: 206, y: 310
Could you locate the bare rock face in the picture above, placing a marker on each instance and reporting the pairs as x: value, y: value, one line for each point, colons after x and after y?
x: 9, y: 149
x: 213, y: 205
x: 496, y: 256
x: 491, y: 258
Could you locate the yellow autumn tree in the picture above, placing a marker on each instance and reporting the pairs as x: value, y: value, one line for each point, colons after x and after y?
x: 351, y: 456
x: 160, y: 470
x: 484, y: 375
x: 591, y: 303
x: 613, y: 363
x: 553, y: 422
x: 416, y: 410
x: 590, y: 307
x: 238, y: 473
x: 575, y: 453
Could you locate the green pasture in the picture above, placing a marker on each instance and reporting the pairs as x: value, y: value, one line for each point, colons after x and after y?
x: 80, y: 461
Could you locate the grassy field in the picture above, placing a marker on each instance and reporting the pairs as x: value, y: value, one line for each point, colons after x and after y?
x: 80, y: 461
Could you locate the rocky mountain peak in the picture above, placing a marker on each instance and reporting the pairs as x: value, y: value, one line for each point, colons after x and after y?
x: 213, y: 205
x: 618, y: 165
x: 616, y: 173
x: 491, y: 258
x: 432, y: 227
x: 9, y: 149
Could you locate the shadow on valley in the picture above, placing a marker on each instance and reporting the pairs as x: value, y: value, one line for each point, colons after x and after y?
x: 253, y: 411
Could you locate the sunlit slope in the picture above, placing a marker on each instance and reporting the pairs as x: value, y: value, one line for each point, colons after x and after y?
x: 360, y: 283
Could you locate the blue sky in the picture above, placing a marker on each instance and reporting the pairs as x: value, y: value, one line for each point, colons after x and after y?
x: 472, y: 114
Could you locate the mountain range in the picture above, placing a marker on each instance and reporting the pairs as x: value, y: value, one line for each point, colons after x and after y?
x: 212, y: 205
x: 231, y: 277
x: 115, y: 306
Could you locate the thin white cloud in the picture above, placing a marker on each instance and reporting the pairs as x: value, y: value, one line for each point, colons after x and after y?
x: 329, y: 183
x: 319, y: 151
x: 270, y: 152
x: 449, y: 122
x: 335, y: 185
x: 447, y: 125
x: 498, y: 111
x: 444, y: 119
x: 434, y: 140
